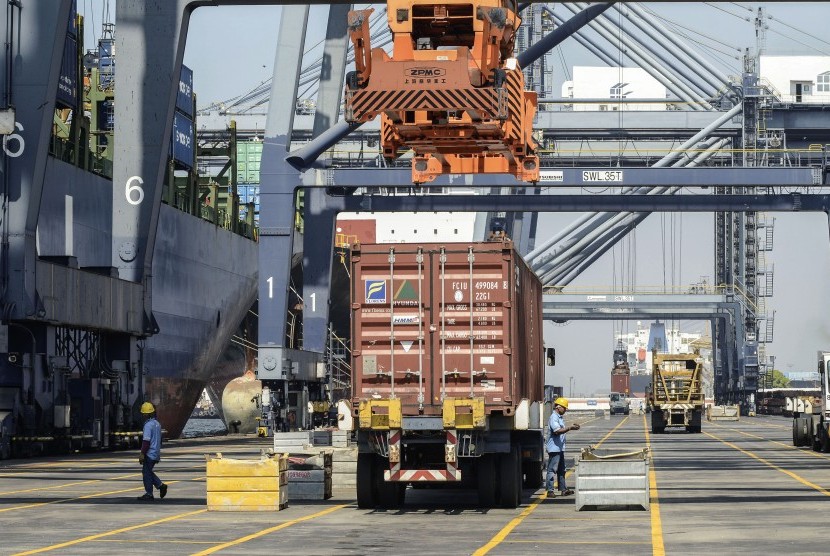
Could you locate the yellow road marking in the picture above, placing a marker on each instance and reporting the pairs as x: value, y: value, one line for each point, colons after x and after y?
x: 109, y: 533
x: 70, y: 484
x: 86, y: 496
x: 157, y: 541
x: 507, y: 529
x: 790, y: 446
x: 770, y: 464
x: 264, y: 532
x: 49, y: 467
x: 657, y: 546
x: 542, y: 541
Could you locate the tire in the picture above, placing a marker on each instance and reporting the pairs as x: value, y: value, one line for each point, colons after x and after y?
x: 509, y: 479
x: 487, y: 487
x: 824, y: 441
x: 796, y: 435
x: 366, y: 493
x: 533, y: 474
x: 390, y: 495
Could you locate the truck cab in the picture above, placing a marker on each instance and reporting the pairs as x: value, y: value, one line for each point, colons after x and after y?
x: 618, y: 403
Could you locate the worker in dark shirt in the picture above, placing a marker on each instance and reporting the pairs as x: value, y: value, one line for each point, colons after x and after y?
x: 151, y: 453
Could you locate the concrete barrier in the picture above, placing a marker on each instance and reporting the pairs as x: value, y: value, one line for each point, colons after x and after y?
x: 605, y: 478
x: 235, y: 485
x: 344, y: 471
x: 723, y: 413
x: 292, y: 441
x: 309, y: 484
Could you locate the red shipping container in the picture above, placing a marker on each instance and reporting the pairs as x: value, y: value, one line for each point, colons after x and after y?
x: 458, y: 320
x: 621, y: 383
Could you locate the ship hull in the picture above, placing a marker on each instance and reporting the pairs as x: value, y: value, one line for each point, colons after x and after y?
x: 204, y: 283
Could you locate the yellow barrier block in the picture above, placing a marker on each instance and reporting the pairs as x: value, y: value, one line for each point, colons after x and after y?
x: 217, y: 466
x: 247, y: 485
x: 463, y: 413
x: 247, y: 501
x: 380, y: 414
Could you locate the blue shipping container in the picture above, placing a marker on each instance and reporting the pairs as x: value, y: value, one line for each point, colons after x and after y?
x: 184, y: 98
x: 248, y: 193
x: 106, y: 73
x: 72, y: 29
x: 68, y: 82
x: 183, y: 140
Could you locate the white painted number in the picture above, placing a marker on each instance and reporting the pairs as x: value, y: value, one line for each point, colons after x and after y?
x: 129, y: 189
x: 313, y: 302
x: 270, y: 281
x: 14, y: 137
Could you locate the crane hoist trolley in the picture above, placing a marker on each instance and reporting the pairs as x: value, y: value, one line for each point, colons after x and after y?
x: 452, y: 91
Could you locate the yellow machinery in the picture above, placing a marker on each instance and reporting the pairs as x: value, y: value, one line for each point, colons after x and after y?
x: 676, y: 391
x: 452, y: 91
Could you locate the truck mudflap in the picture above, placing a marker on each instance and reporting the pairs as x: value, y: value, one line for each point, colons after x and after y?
x: 396, y: 474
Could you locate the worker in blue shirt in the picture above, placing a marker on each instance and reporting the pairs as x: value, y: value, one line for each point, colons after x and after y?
x: 150, y: 453
x: 556, y: 447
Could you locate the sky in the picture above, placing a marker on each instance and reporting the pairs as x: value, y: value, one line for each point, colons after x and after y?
x: 231, y: 50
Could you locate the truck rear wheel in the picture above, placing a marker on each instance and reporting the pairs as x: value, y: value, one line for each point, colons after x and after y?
x: 487, y: 487
x: 533, y: 474
x: 824, y: 441
x: 801, y: 434
x: 390, y: 494
x: 366, y: 494
x: 510, y: 485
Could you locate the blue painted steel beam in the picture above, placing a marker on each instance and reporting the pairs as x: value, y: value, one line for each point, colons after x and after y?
x: 30, y: 84
x: 591, y: 177
x: 585, y: 203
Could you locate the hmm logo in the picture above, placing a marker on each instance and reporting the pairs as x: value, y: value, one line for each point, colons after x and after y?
x: 426, y: 72
x: 375, y: 291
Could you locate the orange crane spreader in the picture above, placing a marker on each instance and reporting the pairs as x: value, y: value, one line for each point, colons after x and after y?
x: 452, y: 90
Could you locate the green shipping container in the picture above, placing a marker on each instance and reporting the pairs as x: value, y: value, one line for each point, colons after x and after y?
x: 248, y: 157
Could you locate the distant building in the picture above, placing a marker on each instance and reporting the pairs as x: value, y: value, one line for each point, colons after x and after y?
x: 802, y: 375
x: 613, y: 84
x: 798, y: 79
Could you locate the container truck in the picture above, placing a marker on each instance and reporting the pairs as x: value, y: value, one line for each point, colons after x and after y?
x: 675, y: 396
x: 810, y: 428
x: 621, y: 373
x: 448, y: 371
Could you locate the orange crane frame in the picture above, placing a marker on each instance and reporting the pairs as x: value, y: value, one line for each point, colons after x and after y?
x: 452, y: 91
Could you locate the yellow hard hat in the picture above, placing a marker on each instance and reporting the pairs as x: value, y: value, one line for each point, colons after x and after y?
x: 148, y: 408
x: 561, y: 401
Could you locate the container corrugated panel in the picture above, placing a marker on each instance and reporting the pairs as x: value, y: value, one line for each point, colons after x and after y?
x: 249, y: 157
x: 446, y: 320
x: 620, y: 383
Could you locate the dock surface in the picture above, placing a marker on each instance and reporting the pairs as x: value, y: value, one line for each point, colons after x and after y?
x: 732, y: 489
